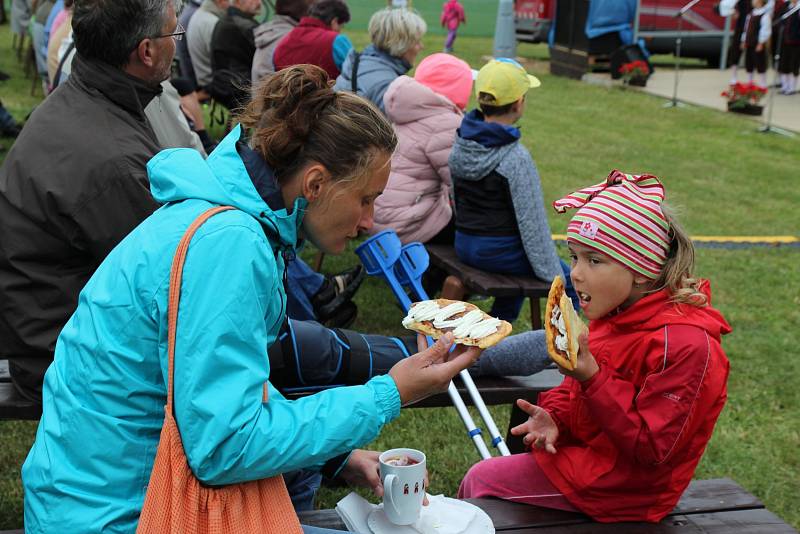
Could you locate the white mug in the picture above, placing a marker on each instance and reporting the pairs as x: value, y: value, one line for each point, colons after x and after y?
x: 403, y: 485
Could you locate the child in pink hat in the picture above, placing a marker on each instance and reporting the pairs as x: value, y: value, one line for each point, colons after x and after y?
x: 425, y: 110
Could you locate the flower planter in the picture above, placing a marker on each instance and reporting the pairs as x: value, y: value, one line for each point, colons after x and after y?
x: 639, y: 81
x: 747, y: 109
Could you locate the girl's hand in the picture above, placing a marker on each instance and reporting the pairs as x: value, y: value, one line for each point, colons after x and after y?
x: 540, y: 430
x: 587, y: 365
x: 759, y: 47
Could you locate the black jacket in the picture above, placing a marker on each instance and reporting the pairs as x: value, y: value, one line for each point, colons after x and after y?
x: 73, y: 185
x: 232, y: 49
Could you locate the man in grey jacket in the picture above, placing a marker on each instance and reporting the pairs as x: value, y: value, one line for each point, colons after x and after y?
x: 74, y: 184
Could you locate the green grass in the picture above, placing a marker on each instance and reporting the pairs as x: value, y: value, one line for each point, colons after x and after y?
x: 726, y: 178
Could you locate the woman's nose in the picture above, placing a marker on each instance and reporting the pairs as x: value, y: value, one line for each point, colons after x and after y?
x: 366, y: 221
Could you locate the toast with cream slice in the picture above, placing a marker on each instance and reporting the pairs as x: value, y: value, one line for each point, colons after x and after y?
x: 562, y: 326
x: 469, y: 324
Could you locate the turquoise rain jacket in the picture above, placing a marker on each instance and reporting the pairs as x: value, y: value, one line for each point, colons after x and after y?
x: 105, y: 392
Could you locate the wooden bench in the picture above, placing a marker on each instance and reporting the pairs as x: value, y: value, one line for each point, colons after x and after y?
x: 495, y: 390
x: 464, y: 279
x: 12, y: 406
x: 720, y: 506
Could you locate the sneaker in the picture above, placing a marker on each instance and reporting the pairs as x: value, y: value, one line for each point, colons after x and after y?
x: 337, y: 290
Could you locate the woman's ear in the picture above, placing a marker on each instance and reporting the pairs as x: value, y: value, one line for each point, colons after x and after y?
x: 315, y: 177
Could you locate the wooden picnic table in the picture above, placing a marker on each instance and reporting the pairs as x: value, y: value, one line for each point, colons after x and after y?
x: 718, y: 506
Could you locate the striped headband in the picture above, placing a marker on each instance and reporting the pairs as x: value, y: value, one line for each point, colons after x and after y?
x: 622, y: 219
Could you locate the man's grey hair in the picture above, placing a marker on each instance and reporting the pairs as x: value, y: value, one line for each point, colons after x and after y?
x: 109, y: 30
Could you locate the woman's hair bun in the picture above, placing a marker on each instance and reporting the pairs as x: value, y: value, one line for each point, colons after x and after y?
x: 295, y: 116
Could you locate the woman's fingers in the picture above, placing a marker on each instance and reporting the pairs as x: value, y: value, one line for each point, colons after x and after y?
x: 422, y: 343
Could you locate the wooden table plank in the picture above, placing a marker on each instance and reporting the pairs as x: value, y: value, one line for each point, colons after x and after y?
x: 757, y: 521
x: 497, y: 390
x: 701, y: 497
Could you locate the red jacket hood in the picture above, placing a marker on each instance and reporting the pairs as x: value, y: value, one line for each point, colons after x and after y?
x: 656, y: 311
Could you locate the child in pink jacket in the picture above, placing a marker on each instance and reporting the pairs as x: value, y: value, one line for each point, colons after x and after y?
x: 425, y: 111
x: 452, y: 17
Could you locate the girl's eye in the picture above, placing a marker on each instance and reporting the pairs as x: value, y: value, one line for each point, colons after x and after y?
x: 594, y: 261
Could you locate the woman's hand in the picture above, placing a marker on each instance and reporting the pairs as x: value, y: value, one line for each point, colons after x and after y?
x: 540, y: 430
x: 430, y: 370
x: 587, y: 365
x: 363, y: 470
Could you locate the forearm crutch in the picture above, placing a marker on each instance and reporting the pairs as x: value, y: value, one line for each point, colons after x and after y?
x: 383, y: 255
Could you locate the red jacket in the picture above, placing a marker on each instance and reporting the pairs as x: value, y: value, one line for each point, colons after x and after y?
x: 311, y: 42
x: 631, y: 436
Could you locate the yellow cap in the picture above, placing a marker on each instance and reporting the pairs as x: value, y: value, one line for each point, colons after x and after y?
x: 505, y: 80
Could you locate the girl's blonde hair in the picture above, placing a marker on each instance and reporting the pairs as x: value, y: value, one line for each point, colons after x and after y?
x: 676, y: 274
x: 295, y: 118
x: 395, y: 30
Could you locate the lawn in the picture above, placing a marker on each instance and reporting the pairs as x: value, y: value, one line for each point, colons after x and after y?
x: 725, y: 178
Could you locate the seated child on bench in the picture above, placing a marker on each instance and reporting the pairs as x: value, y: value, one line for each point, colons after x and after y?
x: 621, y: 437
x: 501, y: 224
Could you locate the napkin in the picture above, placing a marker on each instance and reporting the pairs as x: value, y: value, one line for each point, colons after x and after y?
x: 441, y: 516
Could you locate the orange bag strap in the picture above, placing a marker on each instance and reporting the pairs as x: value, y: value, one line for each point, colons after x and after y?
x: 175, y: 276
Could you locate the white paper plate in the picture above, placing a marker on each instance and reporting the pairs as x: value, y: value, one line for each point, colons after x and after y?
x: 380, y: 524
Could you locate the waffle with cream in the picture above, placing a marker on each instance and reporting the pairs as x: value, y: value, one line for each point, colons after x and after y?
x: 469, y: 324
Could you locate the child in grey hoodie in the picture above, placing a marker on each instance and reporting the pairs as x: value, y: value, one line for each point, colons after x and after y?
x: 501, y: 224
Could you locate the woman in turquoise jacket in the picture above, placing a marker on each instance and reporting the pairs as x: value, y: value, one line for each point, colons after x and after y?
x: 319, y: 160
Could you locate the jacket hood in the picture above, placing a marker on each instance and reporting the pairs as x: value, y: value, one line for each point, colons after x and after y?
x: 656, y: 311
x: 270, y: 32
x: 477, y: 150
x: 181, y: 173
x: 371, y: 60
x: 407, y: 100
x: 489, y: 134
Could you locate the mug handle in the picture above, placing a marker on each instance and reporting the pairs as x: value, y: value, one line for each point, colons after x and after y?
x: 388, y: 483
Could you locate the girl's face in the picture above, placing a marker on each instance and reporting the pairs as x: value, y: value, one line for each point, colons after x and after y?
x: 603, y: 285
x: 339, y: 210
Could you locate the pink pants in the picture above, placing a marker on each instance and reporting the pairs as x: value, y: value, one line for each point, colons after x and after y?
x: 515, y: 478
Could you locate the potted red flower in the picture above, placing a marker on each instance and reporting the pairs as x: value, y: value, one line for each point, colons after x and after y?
x: 745, y: 98
x: 635, y: 73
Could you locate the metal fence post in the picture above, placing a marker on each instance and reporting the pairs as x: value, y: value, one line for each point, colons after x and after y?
x: 505, y: 34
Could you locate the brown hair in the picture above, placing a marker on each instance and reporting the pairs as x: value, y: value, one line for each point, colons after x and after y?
x: 676, y: 274
x: 295, y: 118
x: 490, y: 110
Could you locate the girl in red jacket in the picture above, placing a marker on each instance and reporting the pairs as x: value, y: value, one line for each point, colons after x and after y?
x: 620, y: 438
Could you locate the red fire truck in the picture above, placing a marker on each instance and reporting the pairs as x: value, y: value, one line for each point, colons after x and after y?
x: 702, y: 32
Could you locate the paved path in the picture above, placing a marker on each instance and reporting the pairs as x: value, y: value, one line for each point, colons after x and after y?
x: 702, y: 87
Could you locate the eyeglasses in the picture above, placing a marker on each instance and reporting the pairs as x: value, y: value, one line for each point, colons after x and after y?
x: 177, y: 34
